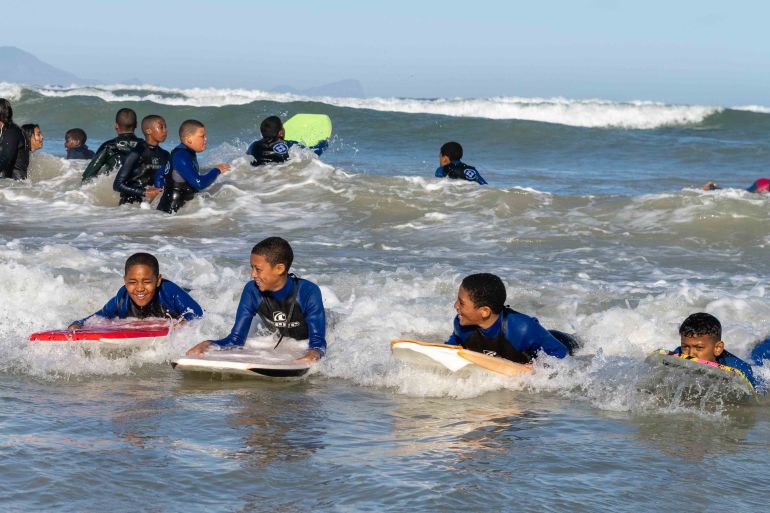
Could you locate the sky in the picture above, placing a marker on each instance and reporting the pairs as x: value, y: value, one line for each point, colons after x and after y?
x: 706, y: 52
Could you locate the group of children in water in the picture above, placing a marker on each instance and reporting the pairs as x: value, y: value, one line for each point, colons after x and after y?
x: 287, y: 304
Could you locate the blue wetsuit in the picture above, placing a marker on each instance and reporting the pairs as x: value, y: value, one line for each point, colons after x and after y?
x: 459, y: 170
x: 519, y: 340
x: 80, y: 153
x: 729, y: 359
x: 170, y: 300
x: 296, y: 310
x: 182, y: 179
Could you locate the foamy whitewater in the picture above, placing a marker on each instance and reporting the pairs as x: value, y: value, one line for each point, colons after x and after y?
x: 594, y: 218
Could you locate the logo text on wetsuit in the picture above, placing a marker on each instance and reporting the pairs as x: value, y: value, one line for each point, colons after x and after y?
x: 279, y: 321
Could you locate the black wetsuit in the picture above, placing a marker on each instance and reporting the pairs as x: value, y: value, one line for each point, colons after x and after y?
x: 80, y: 153
x: 458, y: 170
x: 110, y: 155
x: 138, y: 171
x: 268, y: 151
x: 13, y: 147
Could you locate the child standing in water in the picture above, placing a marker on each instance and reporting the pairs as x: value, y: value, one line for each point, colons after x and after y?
x: 141, y: 175
x: 111, y: 153
x: 450, y: 165
x: 182, y: 179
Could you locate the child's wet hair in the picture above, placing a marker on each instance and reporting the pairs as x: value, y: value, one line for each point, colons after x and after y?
x: 275, y: 250
x: 126, y: 119
x: 701, y: 324
x: 76, y: 135
x: 452, y: 150
x: 189, y: 127
x: 143, y: 259
x: 485, y: 289
x: 271, y: 126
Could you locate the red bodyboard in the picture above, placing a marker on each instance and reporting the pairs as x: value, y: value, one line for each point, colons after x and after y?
x: 109, y: 330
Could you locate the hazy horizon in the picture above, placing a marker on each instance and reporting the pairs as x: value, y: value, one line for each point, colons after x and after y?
x: 687, y: 52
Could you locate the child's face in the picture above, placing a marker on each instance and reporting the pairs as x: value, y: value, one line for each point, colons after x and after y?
x: 36, y: 141
x: 197, y: 141
x: 704, y: 347
x: 159, y: 131
x: 267, y: 277
x: 141, y: 284
x: 467, y: 313
x: 70, y: 143
x: 443, y: 160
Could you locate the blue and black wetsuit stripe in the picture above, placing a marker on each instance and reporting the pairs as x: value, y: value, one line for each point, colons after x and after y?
x: 284, y: 316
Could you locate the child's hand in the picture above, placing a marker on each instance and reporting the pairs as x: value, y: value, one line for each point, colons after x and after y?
x: 199, y: 349
x: 223, y: 168
x: 311, y: 356
x: 151, y: 192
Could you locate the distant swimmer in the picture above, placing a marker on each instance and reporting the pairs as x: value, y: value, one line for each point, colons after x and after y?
x: 141, y: 175
x: 111, y: 153
x: 146, y: 294
x: 288, y: 305
x: 760, y: 185
x: 450, y: 165
x: 75, y: 144
x: 701, y: 337
x: 12, y: 144
x: 486, y: 325
x: 181, y: 177
x: 271, y: 148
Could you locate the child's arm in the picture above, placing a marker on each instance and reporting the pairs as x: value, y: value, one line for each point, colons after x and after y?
x: 440, y: 172
x: 103, y: 154
x: 108, y: 311
x: 119, y: 185
x: 184, y: 166
x: 311, y: 303
x: 456, y: 338
x: 532, y: 337
x: 247, y: 309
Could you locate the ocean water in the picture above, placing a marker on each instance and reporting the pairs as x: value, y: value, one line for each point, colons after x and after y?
x: 594, y: 218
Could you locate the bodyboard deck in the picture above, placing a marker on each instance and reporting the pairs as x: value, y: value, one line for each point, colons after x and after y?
x: 453, y: 358
x: 242, y: 362
x: 113, y: 333
x: 309, y: 130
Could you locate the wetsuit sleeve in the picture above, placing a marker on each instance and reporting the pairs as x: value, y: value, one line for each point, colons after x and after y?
x: 179, y: 302
x: 527, y: 335
x: 311, y: 303
x: 247, y: 309
x: 319, y: 148
x: 108, y: 311
x: 733, y: 361
x: 159, y: 180
x: 103, y: 154
x: 752, y: 187
x: 458, y: 336
x: 440, y: 172
x: 119, y: 185
x: 9, y: 149
x: 184, y: 166
x: 480, y: 179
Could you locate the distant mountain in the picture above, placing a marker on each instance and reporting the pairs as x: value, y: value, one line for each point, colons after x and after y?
x: 24, y: 68
x: 349, y: 88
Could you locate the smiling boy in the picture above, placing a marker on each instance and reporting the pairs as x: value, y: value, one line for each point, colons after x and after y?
x: 146, y: 294
x: 291, y: 306
x: 484, y: 324
x: 141, y: 175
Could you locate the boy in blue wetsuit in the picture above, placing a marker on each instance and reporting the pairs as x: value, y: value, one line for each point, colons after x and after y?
x: 486, y: 325
x: 75, y: 144
x: 271, y: 148
x: 141, y: 175
x: 181, y: 178
x: 146, y: 294
x: 701, y: 337
x: 450, y: 165
x: 291, y: 306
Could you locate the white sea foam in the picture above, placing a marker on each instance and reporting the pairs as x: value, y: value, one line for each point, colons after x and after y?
x: 582, y: 113
x: 753, y: 108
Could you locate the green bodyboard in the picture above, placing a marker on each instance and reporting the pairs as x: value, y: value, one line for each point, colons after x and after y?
x: 308, y: 129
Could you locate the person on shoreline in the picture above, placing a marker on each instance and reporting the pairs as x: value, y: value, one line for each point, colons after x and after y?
x: 701, y: 337
x: 141, y: 175
x: 451, y: 165
x: 181, y: 177
x: 486, y: 325
x: 271, y: 149
x: 12, y: 143
x: 111, y: 153
x: 146, y: 294
x: 75, y: 144
x: 286, y: 304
